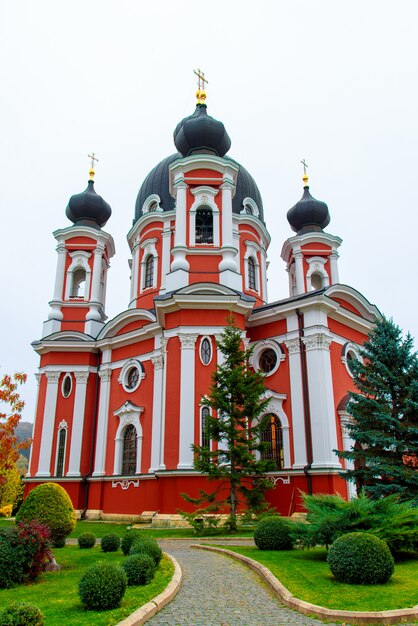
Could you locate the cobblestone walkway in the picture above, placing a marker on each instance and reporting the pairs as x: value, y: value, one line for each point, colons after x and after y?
x: 218, y: 591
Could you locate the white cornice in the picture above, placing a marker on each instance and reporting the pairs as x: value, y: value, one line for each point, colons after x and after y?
x: 124, y: 318
x: 293, y: 244
x: 145, y: 220
x: 64, y: 234
x: 241, y: 219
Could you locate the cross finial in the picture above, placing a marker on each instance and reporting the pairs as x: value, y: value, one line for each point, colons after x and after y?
x: 93, y: 158
x: 201, y: 80
x: 305, y: 176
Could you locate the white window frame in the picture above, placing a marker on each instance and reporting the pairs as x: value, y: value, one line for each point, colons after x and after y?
x: 204, y: 198
x: 266, y: 344
x: 123, y: 376
x: 79, y: 261
x: 67, y: 375
x: 128, y: 414
x: 253, y: 205
x: 316, y: 266
x: 252, y: 250
x: 148, y: 202
x: 149, y: 248
x: 211, y: 350
x: 353, y: 348
x: 61, y: 426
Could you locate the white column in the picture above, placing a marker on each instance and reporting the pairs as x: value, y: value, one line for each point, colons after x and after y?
x: 348, y: 444
x: 59, y: 278
x: 102, y: 421
x: 187, y: 390
x: 94, y: 313
x: 38, y: 383
x: 134, y: 273
x: 227, y: 187
x: 48, y: 424
x: 165, y: 262
x: 321, y: 400
x: 157, y: 416
x: 333, y: 262
x: 296, y: 395
x: 78, y: 423
x: 179, y: 252
x: 300, y: 278
x: 228, y: 265
x: 263, y: 256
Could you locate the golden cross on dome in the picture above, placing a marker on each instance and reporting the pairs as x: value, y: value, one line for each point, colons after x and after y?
x: 305, y: 176
x: 93, y: 158
x: 305, y: 165
x: 201, y: 80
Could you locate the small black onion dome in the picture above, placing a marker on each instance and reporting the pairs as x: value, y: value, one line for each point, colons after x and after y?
x: 308, y: 215
x: 201, y: 133
x: 88, y: 208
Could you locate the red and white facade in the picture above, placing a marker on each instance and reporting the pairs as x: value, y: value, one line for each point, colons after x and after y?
x: 119, y: 402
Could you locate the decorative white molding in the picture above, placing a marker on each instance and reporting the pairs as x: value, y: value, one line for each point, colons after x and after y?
x: 275, y: 479
x: 123, y: 376
x: 149, y: 249
x: 253, y: 206
x: 354, y: 349
x: 105, y: 375
x: 316, y: 266
x: 81, y: 377
x: 80, y: 260
x: 150, y: 202
x: 53, y: 377
x: 125, y: 483
x: 158, y: 361
x: 128, y: 414
x: 260, y: 347
x: 293, y: 345
x: 48, y: 424
x: 187, y: 341
x: 275, y: 406
x: 204, y: 197
x: 317, y: 341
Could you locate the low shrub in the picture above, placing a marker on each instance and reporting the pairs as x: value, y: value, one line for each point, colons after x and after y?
x: 102, y: 586
x: 11, y: 564
x: 6, y: 510
x: 128, y: 540
x: 87, y: 540
x: 147, y: 546
x: 273, y: 533
x: 51, y: 505
x: 110, y: 543
x: 21, y: 614
x: 360, y: 559
x: 24, y: 551
x: 139, y: 568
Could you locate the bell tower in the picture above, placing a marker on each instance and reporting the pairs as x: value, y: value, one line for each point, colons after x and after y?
x: 312, y: 254
x: 84, y: 251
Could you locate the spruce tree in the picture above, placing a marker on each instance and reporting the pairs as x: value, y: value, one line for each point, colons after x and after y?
x: 384, y: 409
x: 237, y: 401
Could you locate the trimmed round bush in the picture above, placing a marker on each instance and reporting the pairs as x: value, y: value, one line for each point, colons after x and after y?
x: 87, y: 540
x: 360, y: 559
x: 139, y: 568
x: 102, y: 586
x: 49, y: 504
x: 21, y: 614
x: 11, y: 563
x: 128, y: 540
x: 110, y: 543
x: 273, y: 533
x: 147, y: 546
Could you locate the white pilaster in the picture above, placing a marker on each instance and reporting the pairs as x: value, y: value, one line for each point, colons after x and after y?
x: 95, y: 303
x: 165, y: 261
x: 134, y: 273
x: 263, y: 256
x: 38, y: 383
x: 78, y: 423
x: 296, y: 395
x: 48, y: 424
x: 179, y: 250
x: 227, y: 187
x: 187, y: 390
x: 321, y: 400
x: 102, y: 422
x: 300, y: 278
x: 157, y: 415
x: 59, y: 278
x: 348, y: 444
x: 333, y: 261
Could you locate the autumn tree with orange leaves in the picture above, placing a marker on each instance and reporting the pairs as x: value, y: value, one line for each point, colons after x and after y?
x: 11, y: 406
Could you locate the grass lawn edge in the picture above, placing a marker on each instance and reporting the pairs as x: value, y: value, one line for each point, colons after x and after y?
x: 148, y: 610
x: 289, y: 600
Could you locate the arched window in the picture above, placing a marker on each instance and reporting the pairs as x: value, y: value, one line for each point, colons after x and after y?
x: 78, y: 285
x: 129, y: 451
x: 149, y: 271
x: 273, y: 437
x: 62, y: 436
x: 317, y: 281
x: 251, y: 274
x: 204, y: 226
x: 205, y: 431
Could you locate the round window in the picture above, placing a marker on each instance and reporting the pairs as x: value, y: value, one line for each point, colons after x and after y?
x: 205, y: 351
x: 67, y: 385
x: 268, y: 360
x: 153, y: 206
x: 352, y: 358
x: 248, y: 209
x: 132, y: 378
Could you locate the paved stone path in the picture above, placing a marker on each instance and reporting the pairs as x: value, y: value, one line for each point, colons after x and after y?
x: 218, y: 591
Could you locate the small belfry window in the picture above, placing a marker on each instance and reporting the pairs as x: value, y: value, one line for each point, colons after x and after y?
x: 273, y: 438
x: 149, y: 271
x: 204, y: 226
x: 205, y: 427
x: 251, y: 274
x: 62, y: 436
x: 129, y: 451
x: 317, y: 281
x: 78, y: 286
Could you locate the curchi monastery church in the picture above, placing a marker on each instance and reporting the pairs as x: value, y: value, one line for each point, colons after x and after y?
x: 119, y: 401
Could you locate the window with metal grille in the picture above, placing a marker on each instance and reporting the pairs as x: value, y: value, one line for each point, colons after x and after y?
x: 272, y: 435
x: 62, y: 436
x: 204, y: 226
x: 132, y: 378
x: 268, y: 360
x: 205, y: 351
x: 251, y: 274
x: 129, y: 451
x: 205, y: 428
x: 149, y: 271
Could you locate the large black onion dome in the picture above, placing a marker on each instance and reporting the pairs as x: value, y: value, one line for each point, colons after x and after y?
x: 201, y: 133
x: 308, y: 215
x: 158, y: 180
x: 88, y: 208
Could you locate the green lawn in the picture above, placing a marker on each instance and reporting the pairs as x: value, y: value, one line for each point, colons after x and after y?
x: 307, y: 576
x: 56, y: 593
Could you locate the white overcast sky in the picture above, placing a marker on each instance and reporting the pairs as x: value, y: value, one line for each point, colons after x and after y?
x: 333, y: 82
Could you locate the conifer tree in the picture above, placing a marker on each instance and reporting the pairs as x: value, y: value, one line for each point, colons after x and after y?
x: 233, y: 430
x: 385, y: 415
